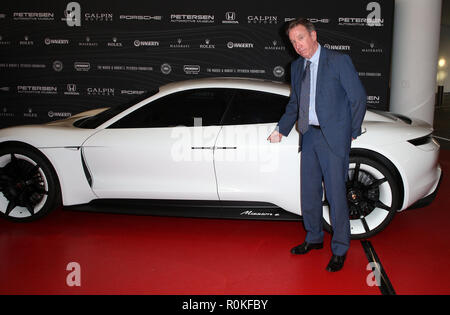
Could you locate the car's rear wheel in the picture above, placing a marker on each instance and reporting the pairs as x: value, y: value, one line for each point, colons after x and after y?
x: 373, y: 197
x: 29, y: 188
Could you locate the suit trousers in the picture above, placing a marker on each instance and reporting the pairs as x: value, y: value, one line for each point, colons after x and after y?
x: 318, y: 162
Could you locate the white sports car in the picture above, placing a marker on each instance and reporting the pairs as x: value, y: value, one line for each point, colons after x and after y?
x: 200, y: 148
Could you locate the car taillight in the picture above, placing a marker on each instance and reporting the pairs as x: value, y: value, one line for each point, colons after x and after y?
x: 421, y: 141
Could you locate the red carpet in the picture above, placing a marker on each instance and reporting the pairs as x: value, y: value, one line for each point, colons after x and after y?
x: 125, y: 254
x: 415, y: 247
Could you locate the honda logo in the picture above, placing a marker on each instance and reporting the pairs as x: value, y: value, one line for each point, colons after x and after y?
x: 230, y: 16
x: 71, y: 87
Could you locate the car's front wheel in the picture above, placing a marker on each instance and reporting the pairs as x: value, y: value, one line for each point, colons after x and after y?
x: 29, y: 188
x: 373, y: 197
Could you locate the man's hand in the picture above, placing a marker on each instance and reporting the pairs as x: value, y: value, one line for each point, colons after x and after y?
x: 275, y: 137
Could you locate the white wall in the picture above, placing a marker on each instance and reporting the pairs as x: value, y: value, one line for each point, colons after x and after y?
x: 415, y: 53
x: 443, y: 75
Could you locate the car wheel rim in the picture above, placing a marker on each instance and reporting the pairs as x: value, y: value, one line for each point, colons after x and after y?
x: 369, y: 197
x: 23, y: 186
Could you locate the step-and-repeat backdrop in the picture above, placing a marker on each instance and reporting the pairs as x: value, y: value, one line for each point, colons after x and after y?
x: 58, y: 58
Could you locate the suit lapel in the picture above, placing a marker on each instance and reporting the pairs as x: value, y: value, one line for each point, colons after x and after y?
x: 297, y: 81
x: 321, y: 74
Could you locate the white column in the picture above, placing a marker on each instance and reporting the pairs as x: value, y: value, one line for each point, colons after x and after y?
x: 414, y: 57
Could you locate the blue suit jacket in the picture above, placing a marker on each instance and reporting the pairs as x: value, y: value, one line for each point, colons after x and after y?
x: 340, y: 100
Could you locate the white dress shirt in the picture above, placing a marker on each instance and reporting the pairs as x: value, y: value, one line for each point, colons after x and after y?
x: 314, y: 66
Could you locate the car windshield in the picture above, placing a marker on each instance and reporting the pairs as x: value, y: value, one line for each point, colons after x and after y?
x: 93, y: 122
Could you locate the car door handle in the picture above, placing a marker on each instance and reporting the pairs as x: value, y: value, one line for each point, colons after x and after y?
x: 202, y: 148
x: 212, y: 148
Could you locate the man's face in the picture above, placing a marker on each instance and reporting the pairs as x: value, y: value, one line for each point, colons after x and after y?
x: 304, y: 42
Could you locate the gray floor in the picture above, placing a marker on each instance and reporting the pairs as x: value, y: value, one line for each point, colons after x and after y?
x: 442, y: 122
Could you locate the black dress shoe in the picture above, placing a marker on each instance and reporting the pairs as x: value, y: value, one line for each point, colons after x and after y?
x: 305, y: 247
x: 336, y: 263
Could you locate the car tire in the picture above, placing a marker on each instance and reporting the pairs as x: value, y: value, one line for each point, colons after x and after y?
x: 29, y: 187
x: 373, y: 197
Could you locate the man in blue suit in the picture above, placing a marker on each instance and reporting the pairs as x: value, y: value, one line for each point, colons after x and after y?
x: 329, y: 103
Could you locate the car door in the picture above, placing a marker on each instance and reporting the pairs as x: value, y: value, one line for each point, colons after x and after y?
x: 250, y: 168
x: 162, y: 150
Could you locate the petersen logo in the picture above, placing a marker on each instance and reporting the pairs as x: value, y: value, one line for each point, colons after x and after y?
x: 373, y: 99
x: 33, y: 89
x: 33, y: 16
x: 191, y: 18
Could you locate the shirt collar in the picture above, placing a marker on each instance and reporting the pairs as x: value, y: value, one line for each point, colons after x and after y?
x: 315, y: 58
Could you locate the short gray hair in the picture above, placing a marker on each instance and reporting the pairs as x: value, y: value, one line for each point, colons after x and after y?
x: 300, y: 21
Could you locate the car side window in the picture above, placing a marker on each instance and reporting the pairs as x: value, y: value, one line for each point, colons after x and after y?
x: 179, y: 109
x: 255, y: 107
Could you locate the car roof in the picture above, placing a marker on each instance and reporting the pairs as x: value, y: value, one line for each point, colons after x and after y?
x: 228, y: 82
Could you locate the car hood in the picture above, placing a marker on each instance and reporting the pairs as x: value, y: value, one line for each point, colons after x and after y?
x: 56, y: 134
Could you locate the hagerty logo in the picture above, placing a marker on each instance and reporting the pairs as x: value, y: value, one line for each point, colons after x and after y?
x: 146, y: 43
x: 239, y: 45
